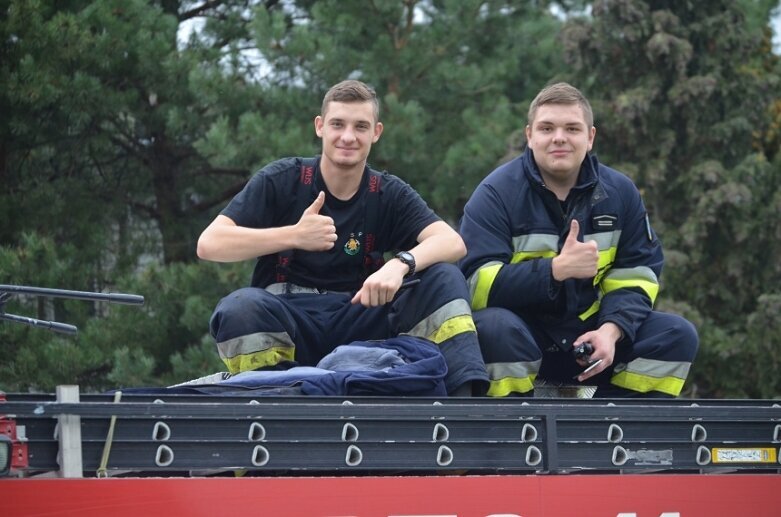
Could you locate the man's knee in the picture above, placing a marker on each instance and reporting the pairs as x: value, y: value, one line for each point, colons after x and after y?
x: 447, y: 277
x: 510, y: 352
x: 442, y: 269
x: 658, y: 362
x: 504, y: 336
x: 240, y: 312
x: 675, y: 334
x: 687, y: 337
x: 249, y: 335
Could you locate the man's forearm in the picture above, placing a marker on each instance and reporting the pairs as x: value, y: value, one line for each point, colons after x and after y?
x: 438, y: 246
x: 225, y: 243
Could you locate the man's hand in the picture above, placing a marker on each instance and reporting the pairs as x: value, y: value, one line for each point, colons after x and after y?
x: 576, y: 259
x: 604, y: 342
x: 315, y: 232
x: 382, y: 285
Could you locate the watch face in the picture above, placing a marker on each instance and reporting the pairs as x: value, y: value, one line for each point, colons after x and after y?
x: 407, y: 258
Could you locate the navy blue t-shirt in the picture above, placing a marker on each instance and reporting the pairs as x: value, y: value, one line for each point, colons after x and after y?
x: 269, y: 200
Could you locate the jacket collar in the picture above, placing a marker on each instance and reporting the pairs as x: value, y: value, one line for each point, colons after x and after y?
x: 587, y: 177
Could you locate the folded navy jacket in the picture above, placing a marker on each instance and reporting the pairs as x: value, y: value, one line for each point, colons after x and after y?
x: 399, y: 366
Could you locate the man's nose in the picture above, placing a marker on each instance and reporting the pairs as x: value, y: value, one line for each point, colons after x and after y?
x: 348, y: 134
x: 559, y: 134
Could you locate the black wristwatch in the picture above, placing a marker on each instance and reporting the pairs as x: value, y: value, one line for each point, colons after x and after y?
x: 407, y: 258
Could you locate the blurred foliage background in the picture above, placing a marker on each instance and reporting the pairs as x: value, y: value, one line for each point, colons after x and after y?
x: 128, y: 124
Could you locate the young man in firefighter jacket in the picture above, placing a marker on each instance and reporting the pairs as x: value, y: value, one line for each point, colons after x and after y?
x: 321, y: 229
x: 560, y: 253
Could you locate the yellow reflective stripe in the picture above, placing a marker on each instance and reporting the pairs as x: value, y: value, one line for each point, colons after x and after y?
x: 644, y: 383
x: 453, y: 327
x: 525, y: 247
x: 606, y: 259
x: 534, y: 245
x: 619, y: 278
x: 246, y: 353
x: 449, y: 320
x: 503, y: 387
x: 607, y: 244
x: 644, y: 375
x: 517, y: 377
x: 483, y: 280
x: 252, y: 361
x: 252, y: 343
x: 642, y: 277
x: 590, y: 311
x: 520, y: 256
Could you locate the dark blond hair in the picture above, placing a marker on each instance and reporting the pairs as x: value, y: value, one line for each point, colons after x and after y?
x: 561, y: 93
x: 351, y: 91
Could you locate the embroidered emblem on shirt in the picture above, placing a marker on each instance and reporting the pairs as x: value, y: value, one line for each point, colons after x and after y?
x: 353, y: 245
x: 604, y: 222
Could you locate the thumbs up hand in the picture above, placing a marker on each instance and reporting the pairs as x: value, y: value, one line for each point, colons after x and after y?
x: 317, y: 204
x: 576, y: 259
x: 315, y: 232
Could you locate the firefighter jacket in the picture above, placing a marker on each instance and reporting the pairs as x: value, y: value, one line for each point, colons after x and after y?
x: 513, y: 227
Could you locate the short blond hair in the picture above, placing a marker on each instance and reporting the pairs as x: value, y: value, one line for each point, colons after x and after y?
x: 351, y: 91
x: 561, y: 93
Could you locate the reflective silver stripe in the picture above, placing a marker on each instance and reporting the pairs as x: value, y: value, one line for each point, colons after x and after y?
x: 536, y: 242
x: 457, y: 307
x: 548, y: 242
x: 640, y: 277
x: 519, y: 370
x: 633, y: 274
x: 655, y: 368
x: 604, y: 240
x: 289, y: 288
x: 253, y: 343
x: 213, y: 378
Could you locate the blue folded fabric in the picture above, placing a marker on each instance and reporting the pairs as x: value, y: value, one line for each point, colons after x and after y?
x: 361, y: 357
x: 257, y: 378
x: 400, y: 366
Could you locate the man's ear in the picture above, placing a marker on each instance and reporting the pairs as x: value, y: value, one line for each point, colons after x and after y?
x: 378, y: 127
x: 592, y: 134
x: 319, y: 126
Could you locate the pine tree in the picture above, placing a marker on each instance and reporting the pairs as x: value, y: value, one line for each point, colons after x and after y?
x: 684, y: 95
